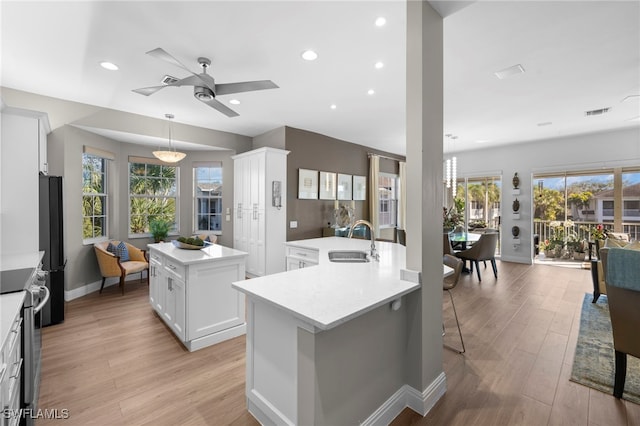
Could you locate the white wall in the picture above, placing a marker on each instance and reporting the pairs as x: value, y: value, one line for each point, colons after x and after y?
x: 618, y: 148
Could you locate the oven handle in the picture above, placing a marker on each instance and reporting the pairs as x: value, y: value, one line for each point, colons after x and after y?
x: 44, y: 301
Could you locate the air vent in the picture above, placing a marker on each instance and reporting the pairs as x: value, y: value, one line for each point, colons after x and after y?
x: 597, y: 111
x: 509, y: 72
x: 167, y: 79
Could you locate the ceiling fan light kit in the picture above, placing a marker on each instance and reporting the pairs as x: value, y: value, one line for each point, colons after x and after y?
x: 205, y: 88
x: 170, y: 156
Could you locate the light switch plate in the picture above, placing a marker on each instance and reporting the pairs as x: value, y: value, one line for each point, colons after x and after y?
x: 293, y: 224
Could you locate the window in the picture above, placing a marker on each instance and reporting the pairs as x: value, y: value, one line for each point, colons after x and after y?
x: 94, y: 198
x: 207, y: 183
x: 153, y: 194
x: 388, y: 196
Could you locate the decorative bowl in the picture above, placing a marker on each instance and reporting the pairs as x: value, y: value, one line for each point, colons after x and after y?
x: 186, y: 246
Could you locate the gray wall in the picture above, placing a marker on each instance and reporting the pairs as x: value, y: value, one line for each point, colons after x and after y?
x: 82, y: 267
x: 323, y: 153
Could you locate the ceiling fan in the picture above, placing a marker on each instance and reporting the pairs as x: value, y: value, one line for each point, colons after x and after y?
x: 205, y: 88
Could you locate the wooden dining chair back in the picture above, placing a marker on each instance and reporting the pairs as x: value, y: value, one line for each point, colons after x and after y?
x: 623, y: 296
x: 483, y: 249
x: 448, y: 284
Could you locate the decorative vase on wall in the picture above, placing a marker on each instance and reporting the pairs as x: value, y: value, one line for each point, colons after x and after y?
x: 516, y: 205
x: 516, y: 181
x: 515, y: 231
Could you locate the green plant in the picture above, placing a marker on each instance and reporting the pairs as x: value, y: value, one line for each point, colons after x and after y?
x: 451, y: 217
x: 160, y: 229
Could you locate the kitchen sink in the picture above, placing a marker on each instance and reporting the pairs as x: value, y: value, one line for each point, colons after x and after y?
x: 348, y: 256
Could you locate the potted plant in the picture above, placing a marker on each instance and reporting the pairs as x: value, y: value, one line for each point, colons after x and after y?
x: 159, y: 229
x: 451, y: 218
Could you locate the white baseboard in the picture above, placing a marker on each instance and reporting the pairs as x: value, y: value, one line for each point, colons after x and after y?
x: 95, y: 286
x: 406, y: 396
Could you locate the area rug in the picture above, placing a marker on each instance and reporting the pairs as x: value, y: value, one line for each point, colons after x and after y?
x: 593, y: 364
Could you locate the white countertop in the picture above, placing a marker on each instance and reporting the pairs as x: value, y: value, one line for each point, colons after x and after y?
x: 210, y: 253
x: 19, y: 261
x: 330, y: 294
x: 11, y: 303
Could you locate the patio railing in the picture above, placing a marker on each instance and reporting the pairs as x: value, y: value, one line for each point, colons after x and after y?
x: 543, y: 230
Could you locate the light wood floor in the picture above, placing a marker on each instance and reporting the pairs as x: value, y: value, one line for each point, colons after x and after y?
x: 113, y: 362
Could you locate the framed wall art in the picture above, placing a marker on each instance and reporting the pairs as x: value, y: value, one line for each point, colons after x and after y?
x: 359, y: 188
x: 327, y: 186
x: 307, y: 184
x: 344, y: 187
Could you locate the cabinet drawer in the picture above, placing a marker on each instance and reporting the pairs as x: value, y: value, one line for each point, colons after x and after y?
x: 175, y: 269
x: 310, y: 255
x: 155, y: 257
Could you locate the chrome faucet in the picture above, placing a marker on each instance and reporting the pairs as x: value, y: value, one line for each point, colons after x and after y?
x: 374, y: 252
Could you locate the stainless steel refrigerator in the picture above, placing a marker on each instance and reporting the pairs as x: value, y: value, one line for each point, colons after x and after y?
x: 52, y: 243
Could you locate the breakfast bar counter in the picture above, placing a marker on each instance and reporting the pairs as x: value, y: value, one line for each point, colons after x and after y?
x: 327, y: 341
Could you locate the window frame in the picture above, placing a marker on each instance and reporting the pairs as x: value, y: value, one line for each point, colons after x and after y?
x: 152, y: 162
x: 105, y: 195
x: 390, y: 201
x: 196, y: 198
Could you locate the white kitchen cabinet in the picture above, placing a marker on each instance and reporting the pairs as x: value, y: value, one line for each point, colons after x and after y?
x: 24, y: 136
x: 191, y: 291
x: 156, y: 280
x: 300, y: 257
x: 260, y: 215
x: 11, y: 366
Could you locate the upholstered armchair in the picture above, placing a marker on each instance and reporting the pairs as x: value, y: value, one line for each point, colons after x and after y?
x: 614, y: 239
x: 111, y: 263
x: 623, y: 295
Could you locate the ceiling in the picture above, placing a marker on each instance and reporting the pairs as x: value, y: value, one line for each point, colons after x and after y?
x: 577, y: 56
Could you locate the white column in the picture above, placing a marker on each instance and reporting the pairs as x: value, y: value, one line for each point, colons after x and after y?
x: 424, y: 193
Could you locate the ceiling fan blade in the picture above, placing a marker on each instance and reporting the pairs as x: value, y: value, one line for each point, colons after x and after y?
x: 148, y: 90
x: 215, y: 104
x: 162, y: 54
x: 245, y: 86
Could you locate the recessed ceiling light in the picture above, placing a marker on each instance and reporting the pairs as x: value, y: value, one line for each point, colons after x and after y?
x: 333, y: 106
x: 509, y: 72
x: 234, y: 101
x: 379, y: 65
x: 109, y: 66
x: 371, y: 92
x: 482, y: 141
x: 309, y: 55
x: 380, y: 22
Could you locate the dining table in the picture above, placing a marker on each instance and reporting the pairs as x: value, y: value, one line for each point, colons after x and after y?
x: 460, y: 240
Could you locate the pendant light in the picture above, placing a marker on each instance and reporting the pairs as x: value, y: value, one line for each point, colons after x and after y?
x: 451, y: 170
x: 170, y: 156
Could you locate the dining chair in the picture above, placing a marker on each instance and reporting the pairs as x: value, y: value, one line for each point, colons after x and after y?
x: 448, y: 283
x: 623, y: 296
x: 483, y: 249
x: 446, y: 244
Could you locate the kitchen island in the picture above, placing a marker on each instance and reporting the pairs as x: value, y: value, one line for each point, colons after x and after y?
x: 191, y: 291
x: 327, y: 344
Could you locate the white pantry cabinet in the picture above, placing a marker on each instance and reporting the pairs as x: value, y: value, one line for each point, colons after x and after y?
x: 260, y: 210
x: 191, y: 291
x: 24, y: 138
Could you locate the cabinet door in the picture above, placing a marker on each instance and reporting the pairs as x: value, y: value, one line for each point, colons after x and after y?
x: 174, y: 313
x: 257, y: 181
x: 293, y: 263
x: 257, y: 257
x: 156, y: 286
